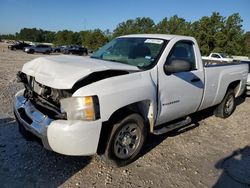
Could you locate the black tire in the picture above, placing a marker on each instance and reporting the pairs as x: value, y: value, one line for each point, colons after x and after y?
x: 126, y: 141
x: 47, y: 52
x: 30, y: 52
x: 227, y: 106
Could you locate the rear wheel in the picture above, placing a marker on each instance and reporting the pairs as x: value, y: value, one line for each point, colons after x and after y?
x: 126, y: 140
x: 227, y: 106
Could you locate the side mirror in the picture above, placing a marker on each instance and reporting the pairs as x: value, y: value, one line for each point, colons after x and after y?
x: 177, y: 65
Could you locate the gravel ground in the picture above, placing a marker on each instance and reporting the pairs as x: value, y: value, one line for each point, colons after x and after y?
x: 211, y: 153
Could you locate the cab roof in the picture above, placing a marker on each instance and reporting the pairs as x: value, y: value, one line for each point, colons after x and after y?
x: 157, y: 36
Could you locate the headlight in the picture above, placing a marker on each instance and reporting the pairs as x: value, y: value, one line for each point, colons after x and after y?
x: 81, y: 108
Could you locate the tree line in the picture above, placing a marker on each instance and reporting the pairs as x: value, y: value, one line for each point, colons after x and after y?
x: 214, y: 33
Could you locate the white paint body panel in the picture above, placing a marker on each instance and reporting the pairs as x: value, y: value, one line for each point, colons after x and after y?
x: 63, y: 71
x: 178, y: 96
x: 117, y: 92
x: 218, y: 79
x: 74, y: 137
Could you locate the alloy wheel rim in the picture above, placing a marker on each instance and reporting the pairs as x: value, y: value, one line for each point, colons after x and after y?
x: 229, y: 105
x: 127, y: 141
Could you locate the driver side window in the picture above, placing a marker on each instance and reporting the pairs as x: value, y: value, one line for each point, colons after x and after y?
x: 215, y: 55
x: 183, y: 50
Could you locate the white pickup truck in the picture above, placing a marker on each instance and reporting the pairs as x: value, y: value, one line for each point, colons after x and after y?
x: 132, y: 86
x: 217, y: 57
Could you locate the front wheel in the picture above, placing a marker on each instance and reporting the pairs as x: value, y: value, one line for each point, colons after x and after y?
x: 227, y: 106
x: 127, y: 140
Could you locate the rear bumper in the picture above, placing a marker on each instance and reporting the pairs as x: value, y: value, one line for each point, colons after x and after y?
x: 62, y: 136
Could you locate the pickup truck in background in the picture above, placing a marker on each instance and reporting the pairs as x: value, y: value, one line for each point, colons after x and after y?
x: 134, y: 85
x: 75, y: 49
x: 18, y: 46
x: 217, y: 57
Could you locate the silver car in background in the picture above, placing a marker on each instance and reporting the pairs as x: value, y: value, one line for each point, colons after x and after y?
x: 39, y: 48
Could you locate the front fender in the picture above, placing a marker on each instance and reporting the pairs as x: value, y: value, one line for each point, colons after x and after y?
x: 120, y: 91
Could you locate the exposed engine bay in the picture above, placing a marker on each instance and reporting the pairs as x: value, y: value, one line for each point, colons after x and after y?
x: 46, y: 99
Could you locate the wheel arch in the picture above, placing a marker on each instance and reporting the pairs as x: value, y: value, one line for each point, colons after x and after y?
x: 235, y: 86
x: 141, y: 107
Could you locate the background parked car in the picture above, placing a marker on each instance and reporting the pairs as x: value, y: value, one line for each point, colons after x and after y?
x: 75, y: 49
x: 18, y: 46
x: 220, y: 57
x: 57, y: 48
x: 39, y: 48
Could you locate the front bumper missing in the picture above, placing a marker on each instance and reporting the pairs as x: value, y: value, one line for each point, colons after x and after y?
x: 62, y: 136
x: 32, y: 120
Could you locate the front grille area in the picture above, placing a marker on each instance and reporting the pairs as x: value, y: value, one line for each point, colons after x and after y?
x: 50, y: 94
x: 50, y: 111
x: 44, y: 98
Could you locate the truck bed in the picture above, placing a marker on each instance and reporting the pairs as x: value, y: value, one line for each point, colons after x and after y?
x: 218, y: 77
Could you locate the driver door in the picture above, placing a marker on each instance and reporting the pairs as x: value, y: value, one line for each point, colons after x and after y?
x: 180, y: 93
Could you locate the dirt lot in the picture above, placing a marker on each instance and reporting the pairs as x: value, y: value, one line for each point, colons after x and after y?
x: 212, y: 153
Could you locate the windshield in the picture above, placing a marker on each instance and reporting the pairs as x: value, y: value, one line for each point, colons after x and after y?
x: 140, y: 52
x: 223, y: 55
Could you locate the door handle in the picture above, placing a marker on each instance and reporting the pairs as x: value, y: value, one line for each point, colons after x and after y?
x: 196, y: 79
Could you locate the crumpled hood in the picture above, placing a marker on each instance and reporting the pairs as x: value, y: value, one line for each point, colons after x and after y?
x: 63, y: 71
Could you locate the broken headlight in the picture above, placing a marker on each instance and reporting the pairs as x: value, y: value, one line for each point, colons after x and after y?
x: 81, y: 108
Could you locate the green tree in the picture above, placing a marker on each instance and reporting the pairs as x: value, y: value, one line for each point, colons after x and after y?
x: 84, y: 37
x: 66, y: 37
x: 208, y: 32
x: 177, y: 26
x: 8, y: 37
x: 214, y: 33
x: 247, y: 44
x: 218, y: 34
x: 162, y: 26
x: 233, y: 34
x: 93, y: 39
x: 139, y: 25
x: 49, y: 36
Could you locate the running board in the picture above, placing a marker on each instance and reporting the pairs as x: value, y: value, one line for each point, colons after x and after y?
x: 173, y: 126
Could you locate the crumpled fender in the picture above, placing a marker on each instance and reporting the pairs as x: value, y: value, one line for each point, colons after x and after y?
x: 120, y: 91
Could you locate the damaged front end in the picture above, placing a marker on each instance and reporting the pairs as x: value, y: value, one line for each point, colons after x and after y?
x: 61, y: 122
x: 44, y: 98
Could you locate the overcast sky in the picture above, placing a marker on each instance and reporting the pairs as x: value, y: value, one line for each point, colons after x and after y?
x: 79, y: 15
